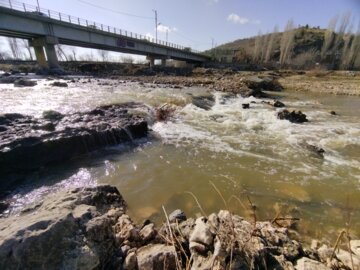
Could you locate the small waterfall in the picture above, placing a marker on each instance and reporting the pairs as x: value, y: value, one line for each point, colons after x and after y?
x: 128, y: 132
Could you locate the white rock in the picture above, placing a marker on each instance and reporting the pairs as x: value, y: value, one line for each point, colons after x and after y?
x: 202, y: 233
x: 156, y: 257
x: 309, y: 264
x: 345, y: 257
x: 355, y: 246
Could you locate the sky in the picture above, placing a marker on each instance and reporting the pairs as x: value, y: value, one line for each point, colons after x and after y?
x: 202, y: 24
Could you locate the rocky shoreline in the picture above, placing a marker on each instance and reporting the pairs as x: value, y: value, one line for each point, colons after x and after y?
x: 28, y: 143
x: 88, y: 228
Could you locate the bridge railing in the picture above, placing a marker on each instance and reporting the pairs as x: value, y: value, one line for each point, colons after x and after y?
x: 12, y: 4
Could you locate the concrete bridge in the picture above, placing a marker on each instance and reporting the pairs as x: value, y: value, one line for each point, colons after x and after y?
x: 45, y: 28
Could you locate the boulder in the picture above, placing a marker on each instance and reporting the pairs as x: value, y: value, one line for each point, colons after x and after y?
x: 156, y: 257
x: 24, y: 83
x: 201, y: 239
x: 293, y: 117
x: 52, y: 115
x: 29, y: 143
x: 355, y: 246
x: 318, y: 151
x: 278, y: 104
x: 148, y: 232
x: 268, y: 83
x: 245, y: 106
x: 67, y: 230
x: 59, y: 84
x: 205, y: 102
x: 348, y: 259
x: 254, y: 93
x: 307, y: 264
x: 177, y: 215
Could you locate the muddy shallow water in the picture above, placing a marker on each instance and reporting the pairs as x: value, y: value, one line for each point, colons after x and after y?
x: 237, y: 152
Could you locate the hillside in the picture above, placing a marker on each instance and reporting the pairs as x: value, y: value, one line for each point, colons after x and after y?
x: 306, y: 47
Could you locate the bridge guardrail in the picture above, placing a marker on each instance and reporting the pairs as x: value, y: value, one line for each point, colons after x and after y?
x: 20, y: 6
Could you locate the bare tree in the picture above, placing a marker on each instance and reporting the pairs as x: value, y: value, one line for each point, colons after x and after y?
x: 127, y: 59
x: 264, y: 43
x: 26, y: 45
x: 60, y: 51
x: 257, y: 47
x: 329, y: 37
x: 351, y: 58
x: 270, y: 46
x: 14, y: 47
x: 73, y: 52
x: 104, y: 55
x: 287, y: 42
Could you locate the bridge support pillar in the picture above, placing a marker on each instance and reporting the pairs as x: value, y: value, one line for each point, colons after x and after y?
x: 163, y: 62
x: 40, y: 57
x: 151, y: 60
x: 49, y: 44
x: 51, y: 56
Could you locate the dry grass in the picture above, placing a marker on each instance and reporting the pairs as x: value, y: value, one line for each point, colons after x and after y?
x: 327, y: 82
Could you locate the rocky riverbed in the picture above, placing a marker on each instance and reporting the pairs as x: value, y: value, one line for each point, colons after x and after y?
x: 233, y: 129
x: 88, y: 228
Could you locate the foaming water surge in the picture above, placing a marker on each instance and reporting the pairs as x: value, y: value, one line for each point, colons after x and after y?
x: 243, y: 152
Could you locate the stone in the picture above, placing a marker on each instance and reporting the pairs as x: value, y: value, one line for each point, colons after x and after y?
x: 59, y: 84
x: 333, y: 113
x: 318, y: 151
x: 293, y: 117
x: 148, y: 232
x: 205, y: 102
x: 309, y: 264
x: 177, y: 215
x: 324, y: 252
x: 156, y: 257
x: 268, y: 83
x: 3, y: 207
x: 66, y: 230
x: 24, y: 83
x: 348, y: 259
x: 245, y: 106
x: 130, y: 262
x: 126, y: 231
x: 52, y: 115
x: 254, y: 93
x: 278, y: 104
x: 201, y: 238
x: 355, y: 246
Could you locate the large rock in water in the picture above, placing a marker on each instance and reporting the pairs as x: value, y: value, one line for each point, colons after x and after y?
x: 67, y: 230
x: 28, y: 143
x: 293, y: 117
x: 205, y: 102
x: 268, y: 83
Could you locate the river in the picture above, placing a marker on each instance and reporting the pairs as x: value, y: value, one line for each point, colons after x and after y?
x: 223, y: 157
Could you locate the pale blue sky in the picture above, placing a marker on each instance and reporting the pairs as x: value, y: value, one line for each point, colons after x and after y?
x: 194, y: 23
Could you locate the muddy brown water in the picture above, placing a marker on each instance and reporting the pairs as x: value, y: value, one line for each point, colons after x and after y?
x: 240, y: 153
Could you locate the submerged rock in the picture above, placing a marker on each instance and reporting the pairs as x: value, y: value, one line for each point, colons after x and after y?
x: 205, y: 102
x: 24, y: 82
x: 29, y: 143
x: 59, y: 84
x: 245, y: 106
x: 293, y: 117
x: 254, y: 93
x: 278, y: 104
x: 67, y: 230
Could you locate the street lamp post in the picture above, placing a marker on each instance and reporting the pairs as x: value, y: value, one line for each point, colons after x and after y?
x: 156, y: 25
x: 38, y: 6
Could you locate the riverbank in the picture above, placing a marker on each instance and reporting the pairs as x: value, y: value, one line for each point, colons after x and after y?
x: 226, y: 80
x: 88, y: 228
